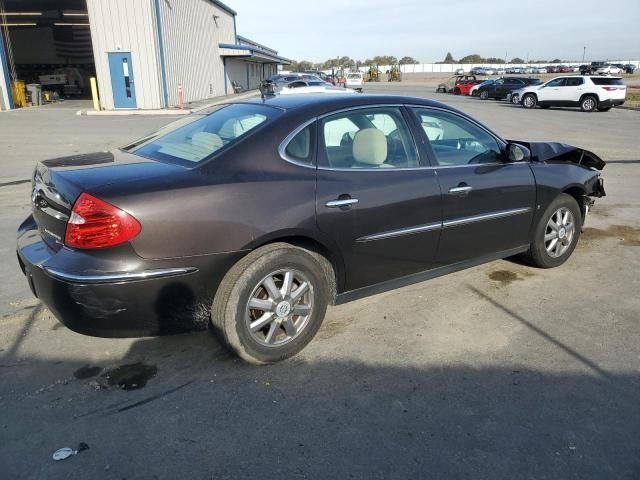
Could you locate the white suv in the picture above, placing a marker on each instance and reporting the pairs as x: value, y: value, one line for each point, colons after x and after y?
x: 585, y: 91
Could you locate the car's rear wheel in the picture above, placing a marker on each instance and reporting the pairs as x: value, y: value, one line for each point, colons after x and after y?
x: 556, y: 234
x: 456, y: 91
x: 272, y: 302
x: 588, y: 103
x: 484, y: 95
x: 515, y: 99
x: 604, y: 109
x: 529, y: 100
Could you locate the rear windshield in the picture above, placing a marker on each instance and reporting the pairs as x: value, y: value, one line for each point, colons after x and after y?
x: 607, y: 81
x: 199, y: 136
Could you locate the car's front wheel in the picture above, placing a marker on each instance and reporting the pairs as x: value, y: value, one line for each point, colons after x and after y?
x: 272, y: 302
x: 556, y: 234
x: 529, y: 101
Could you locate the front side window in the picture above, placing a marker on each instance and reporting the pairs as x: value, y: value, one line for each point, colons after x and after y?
x: 557, y: 82
x: 456, y: 141
x: 197, y: 138
x: 367, y: 138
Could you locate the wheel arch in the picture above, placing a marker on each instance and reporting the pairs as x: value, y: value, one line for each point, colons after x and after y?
x: 578, y: 193
x: 590, y: 94
x: 313, y: 243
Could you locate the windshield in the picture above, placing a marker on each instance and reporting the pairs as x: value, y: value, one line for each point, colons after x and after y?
x: 198, y: 137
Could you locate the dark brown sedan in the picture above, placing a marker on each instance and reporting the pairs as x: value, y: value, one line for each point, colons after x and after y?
x: 255, y: 216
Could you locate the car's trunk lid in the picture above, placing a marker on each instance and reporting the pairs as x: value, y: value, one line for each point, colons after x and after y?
x: 58, y: 182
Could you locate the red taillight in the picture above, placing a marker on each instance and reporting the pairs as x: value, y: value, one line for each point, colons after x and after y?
x: 97, y: 224
x: 610, y: 89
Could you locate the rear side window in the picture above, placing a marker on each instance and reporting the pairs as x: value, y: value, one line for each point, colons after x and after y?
x: 203, y: 135
x: 299, y: 147
x: 573, y: 81
x: 367, y: 138
x: 607, y: 81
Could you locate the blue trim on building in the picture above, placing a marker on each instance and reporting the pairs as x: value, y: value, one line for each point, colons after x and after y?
x: 235, y: 30
x: 224, y: 68
x: 224, y: 7
x: 251, y: 43
x: 163, y: 69
x: 252, y: 51
x: 5, y: 68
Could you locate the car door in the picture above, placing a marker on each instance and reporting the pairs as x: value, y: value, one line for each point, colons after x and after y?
x: 573, y: 88
x: 552, y: 92
x: 495, y: 89
x: 487, y: 202
x: 374, y: 198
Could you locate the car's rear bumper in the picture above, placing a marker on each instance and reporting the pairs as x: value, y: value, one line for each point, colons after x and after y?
x: 611, y: 103
x: 154, y: 297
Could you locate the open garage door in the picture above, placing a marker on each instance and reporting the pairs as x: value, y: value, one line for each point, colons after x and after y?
x: 47, y: 49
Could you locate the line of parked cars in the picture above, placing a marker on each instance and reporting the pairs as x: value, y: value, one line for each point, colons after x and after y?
x: 311, y: 82
x: 588, y: 92
x: 600, y: 68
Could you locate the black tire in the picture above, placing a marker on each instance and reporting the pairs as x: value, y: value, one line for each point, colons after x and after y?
x: 604, y: 109
x: 529, y: 101
x: 588, y: 103
x: 229, y: 312
x: 456, y: 91
x: 484, y: 95
x: 537, y: 255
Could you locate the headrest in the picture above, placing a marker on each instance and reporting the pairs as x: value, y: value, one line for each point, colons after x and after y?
x: 370, y: 146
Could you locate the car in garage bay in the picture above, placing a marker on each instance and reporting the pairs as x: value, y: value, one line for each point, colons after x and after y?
x: 252, y: 217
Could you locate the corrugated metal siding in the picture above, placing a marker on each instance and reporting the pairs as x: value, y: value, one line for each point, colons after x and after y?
x: 192, y: 55
x: 127, y: 26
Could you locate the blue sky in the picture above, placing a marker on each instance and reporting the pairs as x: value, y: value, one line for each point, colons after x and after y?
x: 427, y: 30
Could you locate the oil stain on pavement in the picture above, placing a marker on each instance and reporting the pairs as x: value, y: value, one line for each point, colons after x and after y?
x: 132, y: 376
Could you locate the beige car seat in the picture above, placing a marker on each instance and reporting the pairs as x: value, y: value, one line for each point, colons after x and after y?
x: 370, y: 148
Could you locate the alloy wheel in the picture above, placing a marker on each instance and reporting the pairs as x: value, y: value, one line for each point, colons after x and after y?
x: 279, y: 307
x: 559, y: 232
x: 588, y: 104
x: 528, y: 101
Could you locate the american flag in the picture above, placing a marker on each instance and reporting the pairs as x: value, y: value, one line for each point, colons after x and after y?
x: 73, y: 41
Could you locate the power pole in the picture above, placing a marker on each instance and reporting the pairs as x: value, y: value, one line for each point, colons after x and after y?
x: 584, y: 52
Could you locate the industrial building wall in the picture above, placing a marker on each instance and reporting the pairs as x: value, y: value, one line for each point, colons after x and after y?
x: 191, y: 32
x: 5, y: 85
x: 127, y: 26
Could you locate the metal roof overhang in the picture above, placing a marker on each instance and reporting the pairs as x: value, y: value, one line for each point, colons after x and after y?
x: 247, y: 52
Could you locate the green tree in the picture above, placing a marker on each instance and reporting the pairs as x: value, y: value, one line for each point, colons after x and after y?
x: 449, y: 58
x: 494, y: 60
x: 473, y: 58
x: 516, y: 60
x: 556, y: 60
x: 408, y: 61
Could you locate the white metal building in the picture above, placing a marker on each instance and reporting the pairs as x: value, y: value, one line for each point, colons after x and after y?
x: 145, y: 54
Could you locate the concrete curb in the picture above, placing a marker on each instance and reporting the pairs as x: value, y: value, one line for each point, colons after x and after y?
x: 169, y: 111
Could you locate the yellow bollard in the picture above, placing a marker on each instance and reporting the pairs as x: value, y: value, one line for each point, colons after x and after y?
x: 94, y: 94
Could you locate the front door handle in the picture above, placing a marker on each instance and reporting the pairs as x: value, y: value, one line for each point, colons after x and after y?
x: 461, y: 190
x: 341, y: 202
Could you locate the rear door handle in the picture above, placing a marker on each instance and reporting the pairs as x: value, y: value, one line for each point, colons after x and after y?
x: 341, y: 203
x: 461, y: 190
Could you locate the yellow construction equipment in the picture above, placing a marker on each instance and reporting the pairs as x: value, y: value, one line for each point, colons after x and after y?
x: 373, y: 75
x: 395, y: 74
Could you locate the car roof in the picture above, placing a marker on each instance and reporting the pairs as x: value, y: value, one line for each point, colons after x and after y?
x: 323, y: 102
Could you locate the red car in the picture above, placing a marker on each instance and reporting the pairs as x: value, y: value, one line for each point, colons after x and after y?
x: 464, y: 87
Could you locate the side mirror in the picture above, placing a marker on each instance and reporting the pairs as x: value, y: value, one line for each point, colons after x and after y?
x: 518, y: 153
